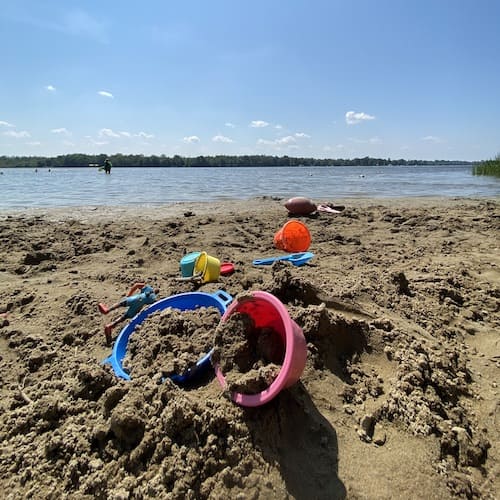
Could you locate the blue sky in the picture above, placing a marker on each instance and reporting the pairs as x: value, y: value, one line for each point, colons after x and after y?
x: 414, y: 79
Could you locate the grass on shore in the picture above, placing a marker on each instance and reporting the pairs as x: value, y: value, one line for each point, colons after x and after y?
x: 488, y: 167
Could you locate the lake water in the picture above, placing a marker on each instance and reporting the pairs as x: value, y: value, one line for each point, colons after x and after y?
x: 25, y: 188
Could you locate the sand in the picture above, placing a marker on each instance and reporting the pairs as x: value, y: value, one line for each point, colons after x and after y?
x: 399, y: 397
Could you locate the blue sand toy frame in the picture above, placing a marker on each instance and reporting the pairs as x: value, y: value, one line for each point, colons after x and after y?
x: 183, y: 302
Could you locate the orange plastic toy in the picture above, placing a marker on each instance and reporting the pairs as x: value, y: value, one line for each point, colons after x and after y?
x: 293, y: 237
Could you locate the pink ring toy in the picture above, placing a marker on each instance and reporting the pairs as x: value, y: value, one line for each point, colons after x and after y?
x: 267, y: 311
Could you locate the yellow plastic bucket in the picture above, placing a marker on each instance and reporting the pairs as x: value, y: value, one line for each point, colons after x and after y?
x: 207, y: 267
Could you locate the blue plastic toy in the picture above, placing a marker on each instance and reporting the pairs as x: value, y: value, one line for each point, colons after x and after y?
x: 297, y: 259
x: 183, y: 302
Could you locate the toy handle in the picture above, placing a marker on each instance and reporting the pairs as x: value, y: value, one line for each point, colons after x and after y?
x: 135, y: 286
x: 272, y: 260
x: 265, y: 262
x: 223, y: 296
x: 195, y: 277
x: 292, y: 257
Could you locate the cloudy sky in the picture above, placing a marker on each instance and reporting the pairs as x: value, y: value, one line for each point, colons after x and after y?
x: 327, y: 78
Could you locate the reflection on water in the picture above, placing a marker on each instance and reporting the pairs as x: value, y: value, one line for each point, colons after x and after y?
x: 128, y: 186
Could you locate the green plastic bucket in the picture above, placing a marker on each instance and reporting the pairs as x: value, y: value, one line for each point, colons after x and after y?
x: 187, y: 264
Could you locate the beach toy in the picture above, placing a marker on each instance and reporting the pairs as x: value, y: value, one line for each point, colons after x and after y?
x: 226, y: 268
x: 187, y: 263
x: 207, y: 268
x: 297, y: 259
x: 134, y: 302
x: 293, y: 237
x: 300, y: 206
x: 267, y: 311
x: 183, y: 302
x: 328, y: 209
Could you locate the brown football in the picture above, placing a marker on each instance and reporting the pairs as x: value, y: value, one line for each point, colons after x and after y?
x: 300, y: 206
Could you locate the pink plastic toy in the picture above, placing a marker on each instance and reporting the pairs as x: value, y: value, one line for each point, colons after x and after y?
x: 268, y: 311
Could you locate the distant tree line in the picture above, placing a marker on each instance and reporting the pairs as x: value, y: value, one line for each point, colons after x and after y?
x: 120, y: 160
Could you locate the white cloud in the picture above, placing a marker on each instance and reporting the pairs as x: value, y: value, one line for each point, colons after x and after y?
x: 104, y: 93
x: 258, y: 124
x: 433, y: 139
x: 68, y: 143
x: 34, y: 143
x: 375, y: 140
x: 5, y: 124
x: 50, y: 88
x: 61, y: 130
x: 17, y: 135
x: 351, y: 117
x: 302, y: 135
x: 107, y: 132
x: 286, y: 140
x: 192, y: 139
x: 278, y: 126
x: 144, y: 135
x: 222, y: 138
x: 230, y: 125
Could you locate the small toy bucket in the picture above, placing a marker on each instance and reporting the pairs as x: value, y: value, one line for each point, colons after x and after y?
x: 293, y: 237
x: 187, y: 264
x: 266, y: 310
x: 207, y: 267
x: 184, y: 302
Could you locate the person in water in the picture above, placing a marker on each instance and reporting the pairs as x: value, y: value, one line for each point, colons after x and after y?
x: 107, y: 166
x: 134, y: 303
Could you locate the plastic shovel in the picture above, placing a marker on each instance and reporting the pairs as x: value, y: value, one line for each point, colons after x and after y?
x: 297, y: 259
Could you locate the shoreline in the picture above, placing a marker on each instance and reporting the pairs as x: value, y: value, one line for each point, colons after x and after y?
x: 161, y: 211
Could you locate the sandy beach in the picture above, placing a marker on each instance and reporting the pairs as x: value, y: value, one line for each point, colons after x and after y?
x: 399, y: 397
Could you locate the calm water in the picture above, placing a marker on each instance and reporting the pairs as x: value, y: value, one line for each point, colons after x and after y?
x: 25, y: 188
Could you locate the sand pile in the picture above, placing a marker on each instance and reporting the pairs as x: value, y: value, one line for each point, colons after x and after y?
x: 249, y: 357
x: 171, y: 341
